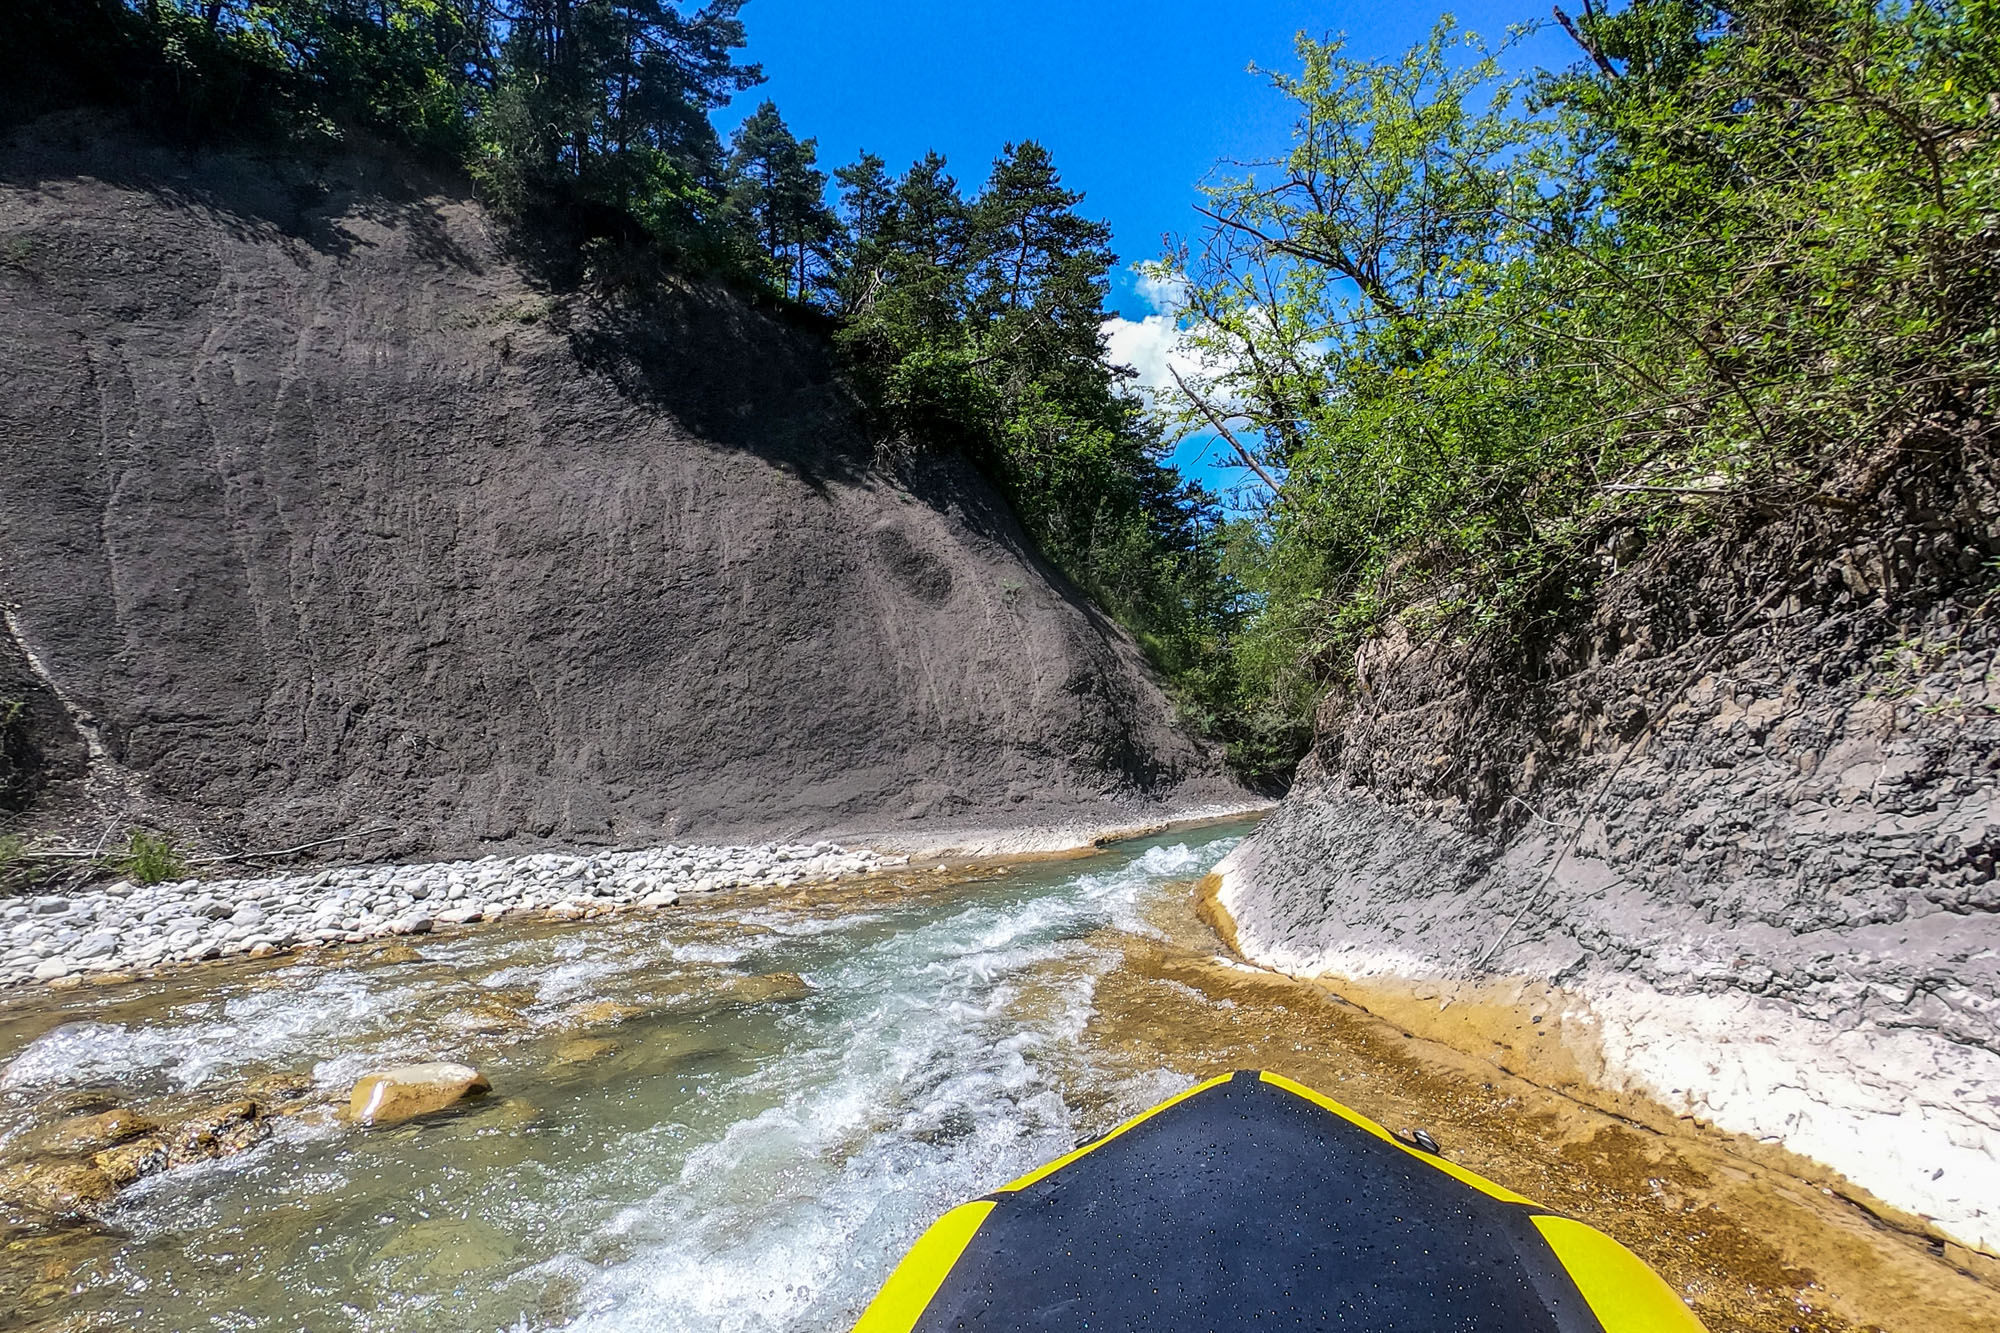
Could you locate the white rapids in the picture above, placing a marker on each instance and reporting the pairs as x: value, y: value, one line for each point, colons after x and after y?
x: 718, y: 1160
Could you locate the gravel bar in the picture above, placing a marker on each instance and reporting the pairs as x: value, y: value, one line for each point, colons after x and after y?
x: 126, y: 927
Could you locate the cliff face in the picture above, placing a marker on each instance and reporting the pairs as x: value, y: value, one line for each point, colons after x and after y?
x: 315, y: 515
x: 1742, y: 812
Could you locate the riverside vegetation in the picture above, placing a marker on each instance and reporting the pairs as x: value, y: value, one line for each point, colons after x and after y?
x: 1478, y: 328
x: 1499, y: 333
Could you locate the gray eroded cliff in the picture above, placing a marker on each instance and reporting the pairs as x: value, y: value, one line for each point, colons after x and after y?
x: 316, y: 515
x: 1743, y: 809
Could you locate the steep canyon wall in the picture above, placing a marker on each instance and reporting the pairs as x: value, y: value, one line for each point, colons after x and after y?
x: 1741, y: 812
x: 318, y: 515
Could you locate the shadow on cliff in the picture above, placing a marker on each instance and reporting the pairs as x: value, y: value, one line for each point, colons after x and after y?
x: 776, y: 391
x: 727, y: 372
x: 310, y: 199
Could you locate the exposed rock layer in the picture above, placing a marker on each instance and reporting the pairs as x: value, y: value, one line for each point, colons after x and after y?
x: 316, y: 514
x: 1744, y: 811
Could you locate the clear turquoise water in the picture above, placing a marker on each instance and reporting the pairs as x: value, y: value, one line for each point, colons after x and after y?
x: 736, y: 1154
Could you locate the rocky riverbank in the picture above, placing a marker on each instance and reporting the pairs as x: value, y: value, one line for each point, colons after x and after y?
x: 1742, y: 817
x: 128, y: 928
x: 1779, y: 920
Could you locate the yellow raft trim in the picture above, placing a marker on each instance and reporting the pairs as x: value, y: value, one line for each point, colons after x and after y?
x: 1624, y: 1294
x: 1051, y: 1168
x: 1452, y: 1169
x: 911, y: 1288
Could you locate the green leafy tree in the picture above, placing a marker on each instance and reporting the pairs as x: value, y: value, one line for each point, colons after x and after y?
x: 1474, y: 323
x: 902, y: 285
x: 407, y: 69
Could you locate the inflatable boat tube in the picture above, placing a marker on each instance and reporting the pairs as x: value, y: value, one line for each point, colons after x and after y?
x: 1252, y: 1202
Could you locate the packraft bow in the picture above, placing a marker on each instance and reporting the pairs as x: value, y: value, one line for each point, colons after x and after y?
x: 1253, y: 1202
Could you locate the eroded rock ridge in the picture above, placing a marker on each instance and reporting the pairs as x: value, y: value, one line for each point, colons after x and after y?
x: 1743, y: 809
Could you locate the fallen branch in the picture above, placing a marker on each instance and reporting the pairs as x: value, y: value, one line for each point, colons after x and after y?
x: 1215, y: 420
x: 290, y: 851
x: 1629, y: 488
x: 62, y: 855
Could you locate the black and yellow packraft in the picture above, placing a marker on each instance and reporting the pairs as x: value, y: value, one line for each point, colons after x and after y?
x: 1251, y: 1202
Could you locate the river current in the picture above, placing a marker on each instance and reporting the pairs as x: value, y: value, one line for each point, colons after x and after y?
x: 731, y: 1116
x: 734, y: 1115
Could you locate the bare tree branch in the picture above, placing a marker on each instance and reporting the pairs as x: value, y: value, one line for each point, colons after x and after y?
x: 1215, y: 419
x: 1587, y: 42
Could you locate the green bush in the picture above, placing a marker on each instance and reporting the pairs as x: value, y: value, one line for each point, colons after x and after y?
x: 150, y: 858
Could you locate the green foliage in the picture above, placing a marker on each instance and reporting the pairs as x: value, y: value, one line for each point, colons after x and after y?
x: 150, y: 858
x: 197, y: 69
x: 401, y: 70
x: 975, y: 325
x: 16, y: 871
x: 1478, y: 323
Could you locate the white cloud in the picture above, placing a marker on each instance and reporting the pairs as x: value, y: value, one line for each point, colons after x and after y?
x: 1155, y: 342
x: 1150, y: 346
x: 1165, y: 292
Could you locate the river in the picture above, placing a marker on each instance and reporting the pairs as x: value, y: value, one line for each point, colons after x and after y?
x: 736, y: 1114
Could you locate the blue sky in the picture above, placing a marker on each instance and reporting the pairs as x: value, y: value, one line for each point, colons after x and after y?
x: 1137, y: 101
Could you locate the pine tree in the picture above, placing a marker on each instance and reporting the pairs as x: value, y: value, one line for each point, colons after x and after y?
x: 867, y: 196
x: 1031, y: 236
x: 1042, y: 268
x: 778, y: 192
x: 927, y: 235
x: 677, y: 70
x: 608, y: 101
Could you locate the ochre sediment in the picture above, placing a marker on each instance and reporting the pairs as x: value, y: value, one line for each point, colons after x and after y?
x: 1209, y: 908
x: 1757, y: 1238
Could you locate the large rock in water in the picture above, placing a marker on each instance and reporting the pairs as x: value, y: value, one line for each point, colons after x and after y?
x: 92, y: 1133
x: 316, y: 513
x: 408, y: 1091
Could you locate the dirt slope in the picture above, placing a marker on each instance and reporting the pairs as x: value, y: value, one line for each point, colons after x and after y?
x: 316, y: 515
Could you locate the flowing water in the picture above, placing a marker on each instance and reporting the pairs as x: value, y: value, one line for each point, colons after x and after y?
x: 736, y: 1115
